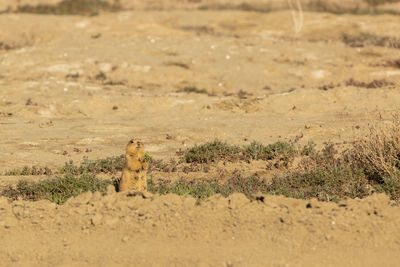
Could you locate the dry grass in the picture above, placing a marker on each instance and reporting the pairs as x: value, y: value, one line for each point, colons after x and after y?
x: 379, y: 152
x: 365, y: 39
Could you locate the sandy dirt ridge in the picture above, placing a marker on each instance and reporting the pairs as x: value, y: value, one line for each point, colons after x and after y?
x: 75, y: 87
x: 148, y: 230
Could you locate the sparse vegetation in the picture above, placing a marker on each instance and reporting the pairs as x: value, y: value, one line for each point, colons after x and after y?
x: 328, y: 183
x: 192, y: 89
x: 199, y: 29
x: 107, y: 165
x: 364, y: 39
x: 379, y: 153
x: 206, y: 188
x: 380, y: 2
x: 58, y: 189
x: 4, y: 46
x: 314, y: 5
x: 332, y: 185
x: 243, y: 94
x: 369, y: 165
x: 199, y: 190
x: 282, y: 150
x: 212, y: 152
x: 370, y: 85
x: 72, y: 7
x: 34, y: 170
x: 387, y: 64
x: 101, y: 76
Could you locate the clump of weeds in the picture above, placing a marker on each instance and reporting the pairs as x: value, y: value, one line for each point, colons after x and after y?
x: 34, y: 170
x: 72, y: 7
x: 370, y: 85
x: 193, y: 89
x: 212, y: 152
x: 364, y: 39
x: 57, y: 190
x: 282, y: 150
x: 101, y: 76
x: 243, y: 94
x: 107, y: 165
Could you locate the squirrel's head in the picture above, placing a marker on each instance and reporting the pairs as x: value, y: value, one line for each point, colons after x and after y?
x: 135, y: 147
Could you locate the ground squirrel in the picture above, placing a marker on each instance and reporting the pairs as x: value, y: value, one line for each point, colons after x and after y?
x: 134, y: 172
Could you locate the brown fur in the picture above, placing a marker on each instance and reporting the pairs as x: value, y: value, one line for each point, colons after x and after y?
x: 134, y: 172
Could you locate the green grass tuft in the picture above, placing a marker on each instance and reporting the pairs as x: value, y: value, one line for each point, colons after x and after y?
x: 212, y: 152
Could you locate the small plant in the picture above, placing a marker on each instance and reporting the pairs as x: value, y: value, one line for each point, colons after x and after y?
x: 243, y: 94
x: 101, y: 76
x: 212, y: 152
x: 58, y: 189
x: 4, y: 46
x: 278, y: 150
x: 147, y: 157
x: 308, y: 149
x: 379, y: 154
x: 193, y: 90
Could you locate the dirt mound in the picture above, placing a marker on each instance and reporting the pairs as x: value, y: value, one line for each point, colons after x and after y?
x: 139, y: 229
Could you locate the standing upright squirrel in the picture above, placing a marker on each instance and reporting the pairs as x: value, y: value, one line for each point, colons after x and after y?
x: 134, y: 172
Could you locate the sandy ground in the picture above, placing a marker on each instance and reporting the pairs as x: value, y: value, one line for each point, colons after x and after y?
x: 74, y: 87
x: 120, y: 229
